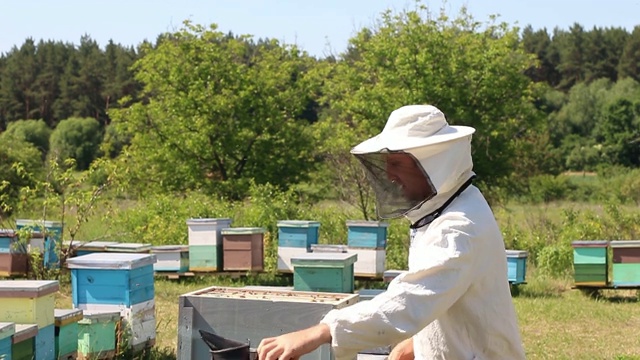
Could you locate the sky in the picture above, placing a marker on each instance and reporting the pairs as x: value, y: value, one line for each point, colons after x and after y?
x: 321, y: 27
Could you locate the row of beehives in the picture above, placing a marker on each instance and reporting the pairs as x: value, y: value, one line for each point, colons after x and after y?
x: 113, y: 308
x: 606, y: 263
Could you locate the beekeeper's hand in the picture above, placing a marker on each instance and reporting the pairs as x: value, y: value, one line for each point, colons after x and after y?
x: 402, y: 351
x: 293, y: 345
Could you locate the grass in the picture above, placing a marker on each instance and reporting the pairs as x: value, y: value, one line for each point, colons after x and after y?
x: 556, y: 322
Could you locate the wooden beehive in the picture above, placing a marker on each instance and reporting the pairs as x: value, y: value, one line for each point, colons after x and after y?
x: 51, y: 236
x: 626, y: 263
x: 205, y: 243
x: 14, y: 260
x: 367, y: 234
x: 516, y: 266
x: 252, y: 314
x: 28, y: 301
x: 295, y: 237
x: 174, y: 258
x: 112, y: 278
x: 23, y: 341
x: 66, y: 323
x: 7, y: 329
x: 330, y: 272
x: 243, y: 248
x: 97, y: 334
x: 590, y: 263
x: 389, y: 275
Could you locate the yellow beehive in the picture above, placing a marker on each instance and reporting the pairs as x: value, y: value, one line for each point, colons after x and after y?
x: 28, y: 302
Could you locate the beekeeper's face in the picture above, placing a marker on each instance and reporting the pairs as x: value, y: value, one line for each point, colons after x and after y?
x: 405, y: 171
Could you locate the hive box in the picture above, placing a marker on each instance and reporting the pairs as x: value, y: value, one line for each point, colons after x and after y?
x: 284, y: 257
x: 205, y: 243
x: 28, y: 301
x: 251, y: 314
x: 174, y: 258
x: 297, y: 233
x: 112, y: 278
x: 590, y: 263
x: 626, y: 263
x: 329, y: 272
x: 367, y: 234
x: 14, y: 260
x: 23, y: 341
x: 66, y: 332
x: 516, y: 266
x: 97, y: 334
x: 243, y: 248
x: 7, y: 329
x: 389, y: 275
x: 52, y: 238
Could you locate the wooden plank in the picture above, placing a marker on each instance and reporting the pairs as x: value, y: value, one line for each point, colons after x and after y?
x: 185, y: 330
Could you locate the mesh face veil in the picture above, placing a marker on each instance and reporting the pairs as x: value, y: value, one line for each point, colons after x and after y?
x: 398, y: 180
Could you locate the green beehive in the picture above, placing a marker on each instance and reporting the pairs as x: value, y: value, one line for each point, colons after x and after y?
x: 590, y: 263
x: 97, y: 334
x: 66, y: 322
x: 24, y: 341
x: 626, y: 263
x: 326, y: 272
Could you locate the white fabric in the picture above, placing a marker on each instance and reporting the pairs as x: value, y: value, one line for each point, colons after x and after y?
x: 413, y: 126
x: 455, y: 299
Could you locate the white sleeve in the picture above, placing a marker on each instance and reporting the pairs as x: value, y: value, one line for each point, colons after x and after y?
x: 442, y: 272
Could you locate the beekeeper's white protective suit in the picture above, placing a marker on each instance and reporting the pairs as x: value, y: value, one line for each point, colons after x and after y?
x: 454, y: 299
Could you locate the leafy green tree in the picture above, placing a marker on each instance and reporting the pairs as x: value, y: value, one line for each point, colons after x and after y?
x: 619, y: 133
x: 473, y: 72
x: 20, y: 165
x: 220, y: 112
x: 78, y: 139
x: 35, y: 132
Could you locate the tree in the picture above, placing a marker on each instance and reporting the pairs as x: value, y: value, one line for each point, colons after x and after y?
x: 78, y: 139
x: 630, y: 60
x: 220, y: 112
x: 35, y: 132
x: 474, y: 73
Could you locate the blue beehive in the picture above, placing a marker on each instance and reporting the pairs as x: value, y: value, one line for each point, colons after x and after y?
x: 93, y: 247
x: 516, y: 266
x: 52, y: 239
x: 297, y: 233
x: 6, y: 332
x: 112, y: 278
x: 367, y: 234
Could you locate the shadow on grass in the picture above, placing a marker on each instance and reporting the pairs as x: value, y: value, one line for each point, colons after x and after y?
x: 612, y: 295
x: 540, y: 287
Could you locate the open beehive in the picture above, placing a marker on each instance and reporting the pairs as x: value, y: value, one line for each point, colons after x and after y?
x: 252, y: 314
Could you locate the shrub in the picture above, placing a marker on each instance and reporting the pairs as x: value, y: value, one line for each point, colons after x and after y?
x: 78, y: 139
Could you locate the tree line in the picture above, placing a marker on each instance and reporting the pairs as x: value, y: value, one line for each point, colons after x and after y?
x: 201, y: 109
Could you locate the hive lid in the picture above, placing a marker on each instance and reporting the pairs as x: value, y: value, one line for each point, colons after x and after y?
x: 517, y: 253
x: 169, y: 248
x: 242, y: 230
x: 67, y: 316
x: 367, y: 223
x: 24, y: 332
x: 97, y: 245
x: 116, y: 261
x: 625, y: 243
x: 95, y: 316
x: 298, y: 223
x: 209, y: 221
x: 7, y: 329
x: 27, y: 288
x: 324, y: 258
x: 75, y: 243
x: 7, y: 233
x: 38, y: 223
x: 128, y: 247
x: 590, y: 243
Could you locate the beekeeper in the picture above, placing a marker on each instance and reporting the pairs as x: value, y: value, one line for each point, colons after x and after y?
x: 454, y: 301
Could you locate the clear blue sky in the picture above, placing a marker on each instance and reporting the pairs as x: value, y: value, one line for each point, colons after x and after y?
x: 320, y: 27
